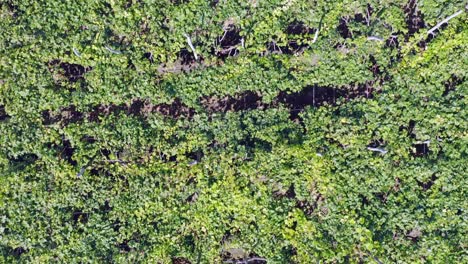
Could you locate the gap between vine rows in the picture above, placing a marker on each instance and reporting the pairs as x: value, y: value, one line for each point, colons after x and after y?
x: 314, y: 96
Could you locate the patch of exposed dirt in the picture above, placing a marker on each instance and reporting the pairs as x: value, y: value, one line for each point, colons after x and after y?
x: 103, y: 111
x: 239, y: 102
x: 72, y: 72
x: 180, y: 260
x: 427, y: 185
x: 66, y: 116
x: 149, y: 57
x: 317, y: 96
x: 392, y: 42
x: 364, y: 18
x: 186, y: 57
x: 185, y: 63
x: 376, y: 143
x: 409, y: 129
x: 175, y: 110
x: 192, y: 198
x: 227, y: 44
x: 64, y: 151
x: 289, y: 252
x: 420, y: 149
x: 24, y: 160
x: 12, y: 9
x: 314, y: 96
x: 413, y: 17
x: 364, y: 200
x: 450, y: 85
x: 105, y: 208
x: 18, y: 251
x: 414, y: 234
x: 382, y: 197
x: 179, y: 2
x: 80, y: 217
x: 293, y: 47
x: 308, y: 207
x: 299, y: 28
x: 360, y: 18
x: 124, y: 247
x: 283, y: 193
x: 88, y: 139
x: 343, y: 28
x: 70, y: 115
x: 214, y: 3
x: 239, y: 255
x: 3, y: 114
x: 375, y: 68
x: 137, y: 107
x: 310, y: 96
x: 48, y: 118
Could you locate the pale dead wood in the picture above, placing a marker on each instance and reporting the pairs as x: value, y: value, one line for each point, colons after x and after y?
x: 375, y: 38
x: 436, y: 27
x: 189, y: 41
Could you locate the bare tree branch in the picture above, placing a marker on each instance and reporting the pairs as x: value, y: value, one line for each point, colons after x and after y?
x: 318, y: 29
x: 77, y: 53
x: 255, y: 259
x: 81, y: 172
x: 431, y: 31
x: 375, y: 38
x: 224, y: 35
x: 189, y: 41
x: 112, y: 50
x: 315, y: 36
x: 383, y: 151
x: 244, y: 261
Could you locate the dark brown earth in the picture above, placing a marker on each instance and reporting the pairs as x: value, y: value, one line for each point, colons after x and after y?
x: 314, y: 96
x: 228, y: 44
x: 73, y: 72
x: 414, y: 18
x: 3, y: 114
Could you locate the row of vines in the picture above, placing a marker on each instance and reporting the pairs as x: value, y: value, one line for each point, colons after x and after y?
x: 194, y: 131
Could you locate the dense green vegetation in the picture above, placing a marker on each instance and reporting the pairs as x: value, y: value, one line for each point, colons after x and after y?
x: 199, y: 131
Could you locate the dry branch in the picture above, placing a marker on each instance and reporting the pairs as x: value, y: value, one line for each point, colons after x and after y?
x: 431, y: 31
x: 112, y: 50
x: 375, y: 38
x: 245, y: 261
x: 315, y: 36
x: 383, y: 151
x: 189, y: 41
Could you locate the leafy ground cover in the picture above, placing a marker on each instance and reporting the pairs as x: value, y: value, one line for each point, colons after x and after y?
x: 252, y: 131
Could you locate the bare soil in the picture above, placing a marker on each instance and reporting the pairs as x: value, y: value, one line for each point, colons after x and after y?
x: 73, y: 72
x: 314, y: 96
x: 414, y: 18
